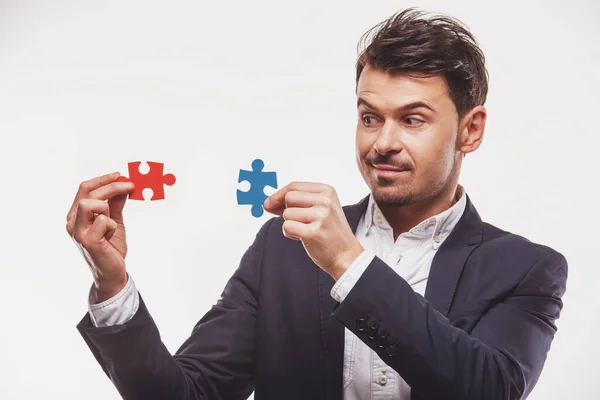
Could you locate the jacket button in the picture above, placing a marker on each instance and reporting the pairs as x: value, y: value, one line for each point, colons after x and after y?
x: 372, y: 334
x: 391, y: 350
x: 361, y: 324
x: 382, y: 341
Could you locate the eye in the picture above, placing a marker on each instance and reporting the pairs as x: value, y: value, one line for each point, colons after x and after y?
x: 413, y: 121
x: 368, y: 120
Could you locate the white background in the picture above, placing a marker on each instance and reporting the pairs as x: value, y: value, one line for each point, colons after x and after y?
x: 206, y: 87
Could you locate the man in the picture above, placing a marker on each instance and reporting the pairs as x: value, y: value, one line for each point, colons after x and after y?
x: 405, y: 295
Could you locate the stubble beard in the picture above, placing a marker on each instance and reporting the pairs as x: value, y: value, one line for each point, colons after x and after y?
x: 392, y: 195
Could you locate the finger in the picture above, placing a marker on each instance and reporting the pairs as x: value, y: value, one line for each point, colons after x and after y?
x: 297, y: 230
x: 116, y: 205
x: 277, y: 200
x: 306, y: 199
x: 303, y: 215
x: 108, y: 191
x: 102, y: 229
x: 111, y: 190
x: 86, y: 187
x: 87, y: 209
x: 301, y: 199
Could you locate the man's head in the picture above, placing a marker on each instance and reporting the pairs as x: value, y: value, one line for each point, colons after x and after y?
x: 421, y: 84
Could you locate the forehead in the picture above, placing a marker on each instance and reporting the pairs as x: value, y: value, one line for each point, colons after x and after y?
x: 392, y: 91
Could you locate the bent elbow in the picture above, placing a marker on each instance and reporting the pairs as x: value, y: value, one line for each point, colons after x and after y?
x: 511, y: 379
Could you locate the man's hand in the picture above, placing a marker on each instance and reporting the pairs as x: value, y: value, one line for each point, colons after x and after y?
x: 313, y: 214
x: 95, y: 222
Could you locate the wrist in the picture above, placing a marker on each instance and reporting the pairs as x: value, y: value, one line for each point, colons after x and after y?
x: 346, y: 259
x: 107, y: 289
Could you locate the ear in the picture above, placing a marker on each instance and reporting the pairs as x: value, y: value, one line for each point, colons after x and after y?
x: 471, y: 131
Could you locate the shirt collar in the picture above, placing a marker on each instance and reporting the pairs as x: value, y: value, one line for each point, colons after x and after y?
x: 436, y: 228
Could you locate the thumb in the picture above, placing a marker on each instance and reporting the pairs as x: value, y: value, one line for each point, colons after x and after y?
x: 116, y: 205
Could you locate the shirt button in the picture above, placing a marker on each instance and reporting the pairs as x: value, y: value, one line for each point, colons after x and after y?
x: 379, y: 218
x: 382, y: 380
x: 437, y: 238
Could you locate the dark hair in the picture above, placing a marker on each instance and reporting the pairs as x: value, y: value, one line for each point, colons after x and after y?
x: 411, y: 44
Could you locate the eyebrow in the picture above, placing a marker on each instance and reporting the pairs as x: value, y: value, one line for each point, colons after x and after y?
x: 405, y: 107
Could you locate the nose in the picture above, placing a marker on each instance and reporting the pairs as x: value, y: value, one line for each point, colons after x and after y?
x: 389, y: 140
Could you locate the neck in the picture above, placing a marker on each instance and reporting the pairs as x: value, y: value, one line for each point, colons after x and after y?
x: 403, y: 219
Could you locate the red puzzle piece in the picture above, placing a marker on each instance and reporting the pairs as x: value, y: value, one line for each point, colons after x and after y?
x: 154, y: 179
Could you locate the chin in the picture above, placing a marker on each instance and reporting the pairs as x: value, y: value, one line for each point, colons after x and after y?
x: 391, y: 195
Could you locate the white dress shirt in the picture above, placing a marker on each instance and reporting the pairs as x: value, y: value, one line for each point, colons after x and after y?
x: 366, y: 376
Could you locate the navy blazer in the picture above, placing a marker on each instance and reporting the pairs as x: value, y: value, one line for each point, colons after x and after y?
x: 482, y: 330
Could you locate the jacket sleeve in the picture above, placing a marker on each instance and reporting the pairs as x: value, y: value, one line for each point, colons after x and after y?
x: 501, y: 358
x: 215, y: 362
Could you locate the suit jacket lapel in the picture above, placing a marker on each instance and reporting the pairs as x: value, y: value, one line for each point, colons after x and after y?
x: 450, y: 259
x: 445, y: 272
x: 332, y: 331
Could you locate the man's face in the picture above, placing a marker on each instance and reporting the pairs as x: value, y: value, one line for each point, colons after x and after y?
x: 406, y: 136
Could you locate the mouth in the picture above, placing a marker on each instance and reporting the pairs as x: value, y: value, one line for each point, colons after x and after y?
x: 388, y: 171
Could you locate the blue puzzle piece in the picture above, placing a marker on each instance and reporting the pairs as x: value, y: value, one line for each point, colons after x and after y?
x: 258, y: 181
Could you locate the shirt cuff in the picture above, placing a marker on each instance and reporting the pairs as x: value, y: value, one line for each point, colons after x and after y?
x: 117, y: 310
x: 347, y: 281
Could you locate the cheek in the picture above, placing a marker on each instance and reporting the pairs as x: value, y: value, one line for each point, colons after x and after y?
x: 363, y: 146
x: 444, y: 161
x: 434, y: 162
